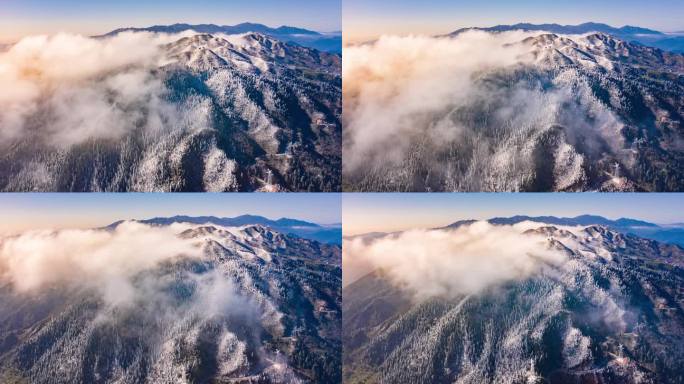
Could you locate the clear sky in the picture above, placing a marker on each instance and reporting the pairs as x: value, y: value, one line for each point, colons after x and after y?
x: 21, y: 211
x: 379, y: 212
x: 367, y: 19
x: 19, y: 18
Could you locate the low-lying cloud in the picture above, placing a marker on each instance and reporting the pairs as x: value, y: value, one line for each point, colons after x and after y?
x: 124, y: 266
x: 151, y: 284
x: 457, y: 113
x: 449, y: 263
x: 66, y: 89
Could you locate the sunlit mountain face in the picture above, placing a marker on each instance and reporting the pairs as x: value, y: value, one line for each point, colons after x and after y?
x: 517, y: 302
x: 182, y: 111
x: 167, y: 303
x: 513, y: 108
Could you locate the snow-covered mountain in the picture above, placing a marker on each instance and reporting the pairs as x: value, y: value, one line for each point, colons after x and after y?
x: 240, y: 304
x: 645, y: 36
x: 322, y: 233
x: 329, y: 42
x: 612, y: 311
x: 672, y: 233
x: 559, y: 113
x: 203, y: 112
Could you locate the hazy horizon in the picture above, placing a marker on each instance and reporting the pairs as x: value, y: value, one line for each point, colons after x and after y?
x: 390, y: 212
x: 27, y: 211
x: 368, y: 20
x: 21, y: 18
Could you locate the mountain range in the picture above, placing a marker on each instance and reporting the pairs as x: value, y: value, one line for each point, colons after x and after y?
x: 569, y: 221
x: 611, y: 312
x: 329, y: 42
x: 325, y: 234
x: 254, y: 306
x: 665, y: 233
x: 672, y: 234
x: 244, y: 112
x: 586, y: 112
x: 649, y: 37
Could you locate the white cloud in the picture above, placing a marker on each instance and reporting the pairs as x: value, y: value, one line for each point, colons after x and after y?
x: 465, y: 260
x: 66, y: 89
x: 121, y: 265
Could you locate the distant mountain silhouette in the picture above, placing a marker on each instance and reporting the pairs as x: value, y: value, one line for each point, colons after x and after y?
x: 329, y: 42
x: 645, y: 36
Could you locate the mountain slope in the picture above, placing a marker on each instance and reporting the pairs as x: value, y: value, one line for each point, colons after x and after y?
x: 611, y: 313
x: 561, y: 113
x: 673, y: 234
x: 240, y: 113
x: 568, y: 221
x: 254, y: 306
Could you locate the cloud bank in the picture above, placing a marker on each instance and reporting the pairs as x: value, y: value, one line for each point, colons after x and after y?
x: 460, y: 113
x: 66, y: 89
x: 36, y: 259
x: 449, y: 263
x: 124, y: 266
x: 151, y: 285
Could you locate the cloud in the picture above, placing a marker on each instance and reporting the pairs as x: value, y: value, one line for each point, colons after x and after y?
x: 462, y: 113
x: 67, y: 89
x: 125, y: 266
x: 37, y: 259
x: 449, y: 263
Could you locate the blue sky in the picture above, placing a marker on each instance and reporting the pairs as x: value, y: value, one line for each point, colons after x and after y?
x: 24, y: 17
x: 364, y: 19
x: 22, y: 211
x: 364, y: 213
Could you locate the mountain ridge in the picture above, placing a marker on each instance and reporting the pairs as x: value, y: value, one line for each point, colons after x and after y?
x: 328, y: 42
x: 644, y: 36
x: 567, y: 29
x: 584, y: 219
x: 215, y: 28
x: 607, y: 117
x: 266, y: 117
x: 666, y: 234
x: 288, y: 226
x: 228, y: 221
